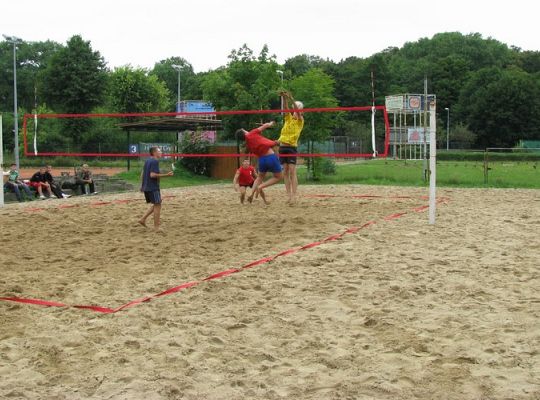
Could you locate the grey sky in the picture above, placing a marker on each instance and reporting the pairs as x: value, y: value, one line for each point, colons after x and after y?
x: 204, y: 32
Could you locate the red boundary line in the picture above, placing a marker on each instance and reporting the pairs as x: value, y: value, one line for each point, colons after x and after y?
x: 175, y: 114
x: 221, y: 274
x: 126, y: 201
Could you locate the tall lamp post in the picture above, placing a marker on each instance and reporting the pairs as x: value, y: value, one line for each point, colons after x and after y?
x: 447, y: 128
x: 178, y: 68
x: 280, y: 72
x: 15, y: 40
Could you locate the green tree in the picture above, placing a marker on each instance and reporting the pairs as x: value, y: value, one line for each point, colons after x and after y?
x: 501, y: 106
x: 74, y: 81
x: 299, y: 65
x: 316, y: 90
x: 446, y: 60
x: 460, y: 136
x: 165, y: 72
x: 75, y: 78
x: 247, y: 83
x: 353, y: 80
x: 32, y: 59
x: 133, y: 90
x: 528, y: 61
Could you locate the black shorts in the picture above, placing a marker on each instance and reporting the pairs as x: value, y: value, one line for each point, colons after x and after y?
x: 287, y: 150
x: 153, y: 197
x: 249, y: 186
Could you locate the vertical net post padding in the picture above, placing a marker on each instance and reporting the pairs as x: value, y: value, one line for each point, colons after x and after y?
x: 35, y: 134
x: 1, y: 164
x: 373, y: 145
x: 432, y: 163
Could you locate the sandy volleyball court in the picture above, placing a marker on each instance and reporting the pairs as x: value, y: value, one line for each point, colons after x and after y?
x: 396, y: 310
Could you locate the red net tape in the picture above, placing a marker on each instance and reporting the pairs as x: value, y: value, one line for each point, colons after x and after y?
x: 175, y: 114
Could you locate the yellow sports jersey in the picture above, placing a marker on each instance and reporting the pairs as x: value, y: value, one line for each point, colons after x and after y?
x: 291, y: 130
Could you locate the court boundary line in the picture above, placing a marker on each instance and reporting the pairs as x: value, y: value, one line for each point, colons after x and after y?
x: 227, y: 272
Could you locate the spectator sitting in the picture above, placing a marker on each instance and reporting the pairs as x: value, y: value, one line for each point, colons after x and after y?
x: 15, y: 184
x: 55, y: 188
x: 83, y: 178
x: 39, y: 182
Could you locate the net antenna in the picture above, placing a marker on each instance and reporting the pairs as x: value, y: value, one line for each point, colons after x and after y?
x: 373, y: 111
x: 35, y: 133
x: 35, y: 120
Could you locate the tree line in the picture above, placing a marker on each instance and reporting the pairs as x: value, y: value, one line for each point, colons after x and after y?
x: 491, y: 89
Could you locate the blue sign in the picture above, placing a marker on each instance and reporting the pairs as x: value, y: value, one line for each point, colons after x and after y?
x: 133, y: 149
x: 194, y: 106
x: 166, y: 148
x: 199, y: 106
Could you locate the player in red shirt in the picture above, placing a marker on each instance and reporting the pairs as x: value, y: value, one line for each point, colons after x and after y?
x: 268, y: 160
x: 245, y: 177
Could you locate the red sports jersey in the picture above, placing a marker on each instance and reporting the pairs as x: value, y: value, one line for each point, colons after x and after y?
x: 257, y: 143
x: 246, y: 176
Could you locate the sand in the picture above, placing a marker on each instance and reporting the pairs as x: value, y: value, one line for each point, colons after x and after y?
x: 397, y: 310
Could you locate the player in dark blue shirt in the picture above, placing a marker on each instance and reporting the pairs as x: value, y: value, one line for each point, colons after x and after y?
x: 150, y: 176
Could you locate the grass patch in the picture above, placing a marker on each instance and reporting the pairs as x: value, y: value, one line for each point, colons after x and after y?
x: 449, y: 173
x: 181, y: 178
x: 390, y: 172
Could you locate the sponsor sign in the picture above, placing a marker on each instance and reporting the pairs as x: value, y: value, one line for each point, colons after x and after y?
x: 394, y: 102
x: 416, y: 136
x: 166, y: 148
x: 414, y: 102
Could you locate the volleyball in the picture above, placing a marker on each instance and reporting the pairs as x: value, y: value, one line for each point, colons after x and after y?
x: 299, y: 104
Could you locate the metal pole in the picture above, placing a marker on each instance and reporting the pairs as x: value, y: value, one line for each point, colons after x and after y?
x: 424, y: 144
x: 281, y: 74
x: 179, y: 96
x: 15, y: 40
x: 178, y: 68
x: 16, y: 133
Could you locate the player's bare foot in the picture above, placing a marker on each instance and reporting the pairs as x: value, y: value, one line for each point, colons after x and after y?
x: 143, y: 223
x: 263, y: 196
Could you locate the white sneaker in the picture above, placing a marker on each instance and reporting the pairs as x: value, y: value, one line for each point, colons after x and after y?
x: 66, y: 196
x: 42, y: 197
x: 94, y: 193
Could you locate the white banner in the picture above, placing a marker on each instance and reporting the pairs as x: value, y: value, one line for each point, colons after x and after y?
x: 394, y: 103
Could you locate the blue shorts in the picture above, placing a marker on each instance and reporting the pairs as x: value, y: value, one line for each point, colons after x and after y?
x: 153, y: 197
x: 269, y: 163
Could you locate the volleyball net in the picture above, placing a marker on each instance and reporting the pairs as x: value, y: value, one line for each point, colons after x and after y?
x: 340, y: 132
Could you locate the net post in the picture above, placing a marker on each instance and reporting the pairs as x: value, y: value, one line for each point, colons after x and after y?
x: 1, y: 164
x: 25, y: 142
x: 486, y: 168
x: 128, y: 143
x: 432, y: 163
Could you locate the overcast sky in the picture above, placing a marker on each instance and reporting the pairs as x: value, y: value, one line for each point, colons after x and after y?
x: 204, y: 32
